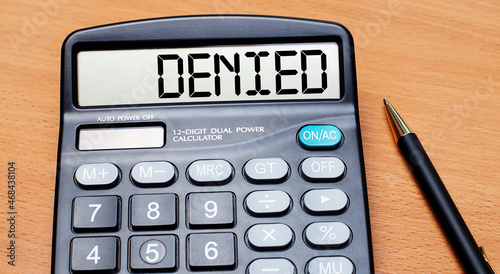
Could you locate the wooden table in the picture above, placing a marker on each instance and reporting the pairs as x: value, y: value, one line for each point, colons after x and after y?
x: 438, y: 62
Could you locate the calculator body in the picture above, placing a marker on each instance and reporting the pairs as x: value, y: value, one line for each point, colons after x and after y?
x: 229, y: 186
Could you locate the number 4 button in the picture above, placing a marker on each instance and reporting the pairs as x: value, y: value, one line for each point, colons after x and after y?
x: 94, y: 254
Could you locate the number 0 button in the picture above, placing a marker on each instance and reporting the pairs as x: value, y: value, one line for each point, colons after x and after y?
x: 153, y: 212
x: 211, y: 251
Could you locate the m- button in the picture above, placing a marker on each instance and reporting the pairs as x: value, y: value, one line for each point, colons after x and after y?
x: 154, y: 174
x: 321, y: 169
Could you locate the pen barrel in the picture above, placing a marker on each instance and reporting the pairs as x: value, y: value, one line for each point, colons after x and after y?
x: 445, y: 210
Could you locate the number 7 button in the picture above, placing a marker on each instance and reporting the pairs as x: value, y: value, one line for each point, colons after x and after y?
x: 96, y: 213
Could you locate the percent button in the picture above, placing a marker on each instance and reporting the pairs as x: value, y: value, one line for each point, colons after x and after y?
x: 327, y: 234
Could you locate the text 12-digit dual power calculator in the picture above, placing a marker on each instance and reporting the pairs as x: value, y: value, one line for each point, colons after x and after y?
x: 210, y: 144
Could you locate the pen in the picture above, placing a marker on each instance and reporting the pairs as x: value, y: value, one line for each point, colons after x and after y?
x: 472, y: 259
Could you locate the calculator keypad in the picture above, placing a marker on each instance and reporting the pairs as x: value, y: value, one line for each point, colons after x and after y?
x: 210, y: 213
x: 212, y: 210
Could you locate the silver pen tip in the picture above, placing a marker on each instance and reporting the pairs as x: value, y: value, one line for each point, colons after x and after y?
x: 398, y: 126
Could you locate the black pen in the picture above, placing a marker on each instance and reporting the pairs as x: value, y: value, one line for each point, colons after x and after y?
x: 471, y: 257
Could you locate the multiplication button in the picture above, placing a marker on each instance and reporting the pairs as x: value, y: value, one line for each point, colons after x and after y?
x: 153, y: 253
x: 270, y: 236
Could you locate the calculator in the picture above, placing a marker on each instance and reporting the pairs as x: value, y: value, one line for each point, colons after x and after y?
x: 210, y: 144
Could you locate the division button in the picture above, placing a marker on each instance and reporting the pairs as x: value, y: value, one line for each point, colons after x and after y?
x: 103, y: 175
x: 325, y: 201
x: 319, y: 137
x: 210, y: 172
x: 153, y: 174
x: 270, y: 236
x: 330, y: 265
x: 271, y: 266
x: 265, y: 203
x: 327, y: 234
x: 266, y: 170
x: 322, y: 169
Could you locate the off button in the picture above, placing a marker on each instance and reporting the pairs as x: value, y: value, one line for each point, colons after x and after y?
x: 319, y: 137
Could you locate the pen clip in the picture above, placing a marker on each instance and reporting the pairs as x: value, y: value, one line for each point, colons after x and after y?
x: 486, y: 258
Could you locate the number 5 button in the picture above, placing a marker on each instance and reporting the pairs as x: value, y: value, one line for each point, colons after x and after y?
x: 153, y: 212
x: 153, y: 253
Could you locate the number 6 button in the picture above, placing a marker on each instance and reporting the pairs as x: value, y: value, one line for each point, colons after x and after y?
x: 211, y: 251
x: 153, y: 212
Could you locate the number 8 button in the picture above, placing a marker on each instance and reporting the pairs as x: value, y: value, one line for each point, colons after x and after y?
x: 153, y: 212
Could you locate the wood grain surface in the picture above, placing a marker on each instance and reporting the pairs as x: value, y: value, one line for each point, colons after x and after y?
x: 437, y: 62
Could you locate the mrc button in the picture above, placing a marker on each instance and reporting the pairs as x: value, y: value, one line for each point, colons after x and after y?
x: 319, y: 137
x: 210, y: 172
x: 322, y: 169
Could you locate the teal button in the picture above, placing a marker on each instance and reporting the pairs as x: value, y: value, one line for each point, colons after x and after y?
x: 315, y: 137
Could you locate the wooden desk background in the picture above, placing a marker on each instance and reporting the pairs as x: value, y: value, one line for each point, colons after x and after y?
x: 438, y: 62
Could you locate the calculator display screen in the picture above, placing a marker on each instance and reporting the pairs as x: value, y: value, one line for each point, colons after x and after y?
x: 228, y: 73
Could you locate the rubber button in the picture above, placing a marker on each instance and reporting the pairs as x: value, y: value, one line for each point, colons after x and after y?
x: 319, y: 137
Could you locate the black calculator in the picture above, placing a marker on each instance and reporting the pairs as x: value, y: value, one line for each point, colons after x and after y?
x: 210, y: 144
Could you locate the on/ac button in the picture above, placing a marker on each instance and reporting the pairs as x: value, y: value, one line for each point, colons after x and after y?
x: 319, y: 137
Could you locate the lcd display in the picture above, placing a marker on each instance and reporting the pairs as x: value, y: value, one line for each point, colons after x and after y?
x: 287, y: 71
